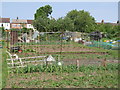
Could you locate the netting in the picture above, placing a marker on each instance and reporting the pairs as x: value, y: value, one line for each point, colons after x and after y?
x: 104, y: 45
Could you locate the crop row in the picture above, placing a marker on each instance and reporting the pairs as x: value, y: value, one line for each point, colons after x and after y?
x: 61, y: 69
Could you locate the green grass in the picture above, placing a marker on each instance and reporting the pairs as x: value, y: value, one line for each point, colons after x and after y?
x: 68, y: 77
x: 112, y: 54
x: 0, y: 68
x: 72, y: 55
x: 4, y: 68
x: 44, y: 43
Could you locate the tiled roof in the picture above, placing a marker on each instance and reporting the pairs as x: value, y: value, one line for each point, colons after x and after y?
x: 4, y: 20
x: 111, y: 23
x: 19, y: 21
x: 30, y: 21
x: 107, y: 23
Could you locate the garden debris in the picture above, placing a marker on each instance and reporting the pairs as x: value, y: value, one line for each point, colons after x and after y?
x: 15, y: 49
x: 59, y: 63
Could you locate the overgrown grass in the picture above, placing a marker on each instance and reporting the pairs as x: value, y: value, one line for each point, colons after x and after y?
x: 65, y: 77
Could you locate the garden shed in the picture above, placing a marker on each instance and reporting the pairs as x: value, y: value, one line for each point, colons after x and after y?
x: 13, y: 37
x: 95, y: 35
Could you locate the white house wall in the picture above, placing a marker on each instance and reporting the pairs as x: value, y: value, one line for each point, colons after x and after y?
x: 30, y: 26
x: 5, y: 25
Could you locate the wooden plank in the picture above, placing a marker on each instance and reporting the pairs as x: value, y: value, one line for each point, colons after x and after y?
x: 29, y: 57
x: 17, y: 66
x: 10, y: 59
x: 28, y: 61
x: 33, y: 57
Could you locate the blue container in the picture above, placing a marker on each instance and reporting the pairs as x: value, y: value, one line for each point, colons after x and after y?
x: 64, y: 38
x: 118, y: 40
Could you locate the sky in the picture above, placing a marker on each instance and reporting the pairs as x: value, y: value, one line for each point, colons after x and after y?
x: 119, y: 11
x: 107, y: 11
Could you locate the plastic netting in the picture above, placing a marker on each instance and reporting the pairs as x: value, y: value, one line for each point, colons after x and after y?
x: 104, y: 45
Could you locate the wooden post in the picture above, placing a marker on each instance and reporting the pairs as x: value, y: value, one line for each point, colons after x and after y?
x: 21, y: 61
x: 46, y: 63
x: 78, y: 64
x: 104, y: 63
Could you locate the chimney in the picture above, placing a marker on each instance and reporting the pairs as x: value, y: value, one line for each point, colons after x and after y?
x: 102, y: 21
x: 118, y: 22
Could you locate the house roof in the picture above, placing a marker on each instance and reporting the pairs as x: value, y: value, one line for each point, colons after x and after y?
x: 111, y: 23
x: 29, y: 21
x: 4, y: 20
x: 19, y: 21
x: 107, y: 23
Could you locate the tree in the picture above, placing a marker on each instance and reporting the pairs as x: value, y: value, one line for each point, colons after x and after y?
x: 116, y: 33
x: 65, y: 24
x: 41, y: 24
x: 83, y: 22
x: 73, y: 14
x: 52, y: 26
x: 110, y: 30
x: 43, y: 12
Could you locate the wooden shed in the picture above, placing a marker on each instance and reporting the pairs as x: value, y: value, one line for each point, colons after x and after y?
x: 13, y: 37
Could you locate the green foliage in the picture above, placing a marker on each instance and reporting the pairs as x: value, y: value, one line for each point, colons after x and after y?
x: 44, y: 11
x: 82, y: 20
x: 4, y: 68
x: 24, y: 30
x: 54, y: 76
x: 65, y: 24
x: 41, y: 24
x: 61, y: 69
x: 51, y: 37
x: 53, y: 25
x: 2, y: 32
x: 110, y: 30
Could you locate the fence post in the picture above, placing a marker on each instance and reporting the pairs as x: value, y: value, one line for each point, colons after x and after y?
x: 104, y: 63
x: 78, y: 64
x: 21, y: 61
x: 46, y: 63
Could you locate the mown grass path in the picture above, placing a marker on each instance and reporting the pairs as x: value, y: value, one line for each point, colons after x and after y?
x: 0, y: 68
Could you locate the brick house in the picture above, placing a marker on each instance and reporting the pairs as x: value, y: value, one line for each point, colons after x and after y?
x: 102, y: 22
x: 30, y: 24
x: 18, y: 23
x: 5, y: 22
